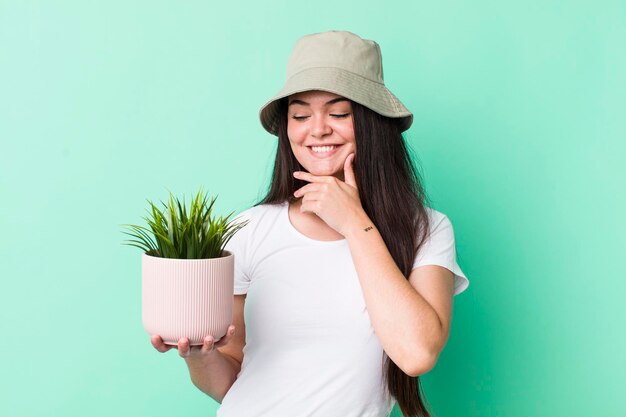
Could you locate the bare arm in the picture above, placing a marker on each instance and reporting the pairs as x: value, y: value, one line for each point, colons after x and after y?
x: 214, y: 367
x: 411, y: 317
x: 213, y: 373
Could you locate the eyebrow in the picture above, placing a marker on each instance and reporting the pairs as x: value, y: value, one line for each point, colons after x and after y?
x: 304, y: 103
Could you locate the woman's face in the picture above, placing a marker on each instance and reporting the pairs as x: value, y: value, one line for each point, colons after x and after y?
x: 320, y: 131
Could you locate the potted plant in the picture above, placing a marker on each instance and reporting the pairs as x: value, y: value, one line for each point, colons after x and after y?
x: 187, y: 276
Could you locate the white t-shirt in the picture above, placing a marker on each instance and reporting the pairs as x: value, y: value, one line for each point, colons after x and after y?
x: 310, y: 347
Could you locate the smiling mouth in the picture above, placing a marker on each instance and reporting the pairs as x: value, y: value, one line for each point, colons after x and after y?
x: 323, y: 151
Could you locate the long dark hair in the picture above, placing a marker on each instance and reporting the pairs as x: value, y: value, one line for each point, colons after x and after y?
x: 391, y: 193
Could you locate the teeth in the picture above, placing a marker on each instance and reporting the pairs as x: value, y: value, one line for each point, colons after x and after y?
x: 323, y: 148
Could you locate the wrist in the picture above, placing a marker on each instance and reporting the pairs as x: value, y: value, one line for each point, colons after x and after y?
x: 360, y: 226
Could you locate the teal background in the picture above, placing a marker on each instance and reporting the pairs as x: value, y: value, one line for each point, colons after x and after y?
x: 519, y: 129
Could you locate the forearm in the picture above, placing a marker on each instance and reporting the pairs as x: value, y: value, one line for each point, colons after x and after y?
x: 215, y: 375
x: 408, y: 327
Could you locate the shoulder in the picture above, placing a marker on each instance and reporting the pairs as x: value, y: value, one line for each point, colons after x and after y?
x: 259, y: 224
x: 437, y: 219
x: 440, y: 229
x: 259, y: 215
x: 260, y: 210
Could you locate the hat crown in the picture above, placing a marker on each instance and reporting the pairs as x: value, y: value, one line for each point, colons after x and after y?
x: 337, y: 49
x: 338, y: 62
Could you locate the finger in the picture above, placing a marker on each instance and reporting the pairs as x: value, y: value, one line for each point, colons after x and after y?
x: 307, y: 176
x: 227, y: 337
x: 208, y: 344
x: 348, y: 171
x: 158, y: 344
x: 307, y: 188
x: 183, y: 347
x: 312, y: 196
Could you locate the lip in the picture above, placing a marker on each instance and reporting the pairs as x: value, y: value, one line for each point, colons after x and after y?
x: 323, y: 155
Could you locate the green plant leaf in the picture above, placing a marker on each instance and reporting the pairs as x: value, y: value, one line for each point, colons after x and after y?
x: 185, y: 233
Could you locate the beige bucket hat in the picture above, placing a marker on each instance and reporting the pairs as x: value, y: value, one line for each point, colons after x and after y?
x: 339, y: 62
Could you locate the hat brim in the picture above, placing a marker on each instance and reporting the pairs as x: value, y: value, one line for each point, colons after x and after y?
x: 370, y: 94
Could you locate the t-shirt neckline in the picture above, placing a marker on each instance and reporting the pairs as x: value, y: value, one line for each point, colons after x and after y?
x: 304, y: 237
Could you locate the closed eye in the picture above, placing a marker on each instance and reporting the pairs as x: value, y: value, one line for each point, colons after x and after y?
x: 338, y: 116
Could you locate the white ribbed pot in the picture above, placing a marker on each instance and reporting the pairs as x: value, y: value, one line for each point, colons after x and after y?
x: 189, y: 298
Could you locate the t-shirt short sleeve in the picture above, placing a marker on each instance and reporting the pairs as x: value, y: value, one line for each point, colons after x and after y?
x: 238, y: 245
x: 439, y: 249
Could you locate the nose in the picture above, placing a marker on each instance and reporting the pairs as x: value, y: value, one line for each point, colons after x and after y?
x: 320, y: 127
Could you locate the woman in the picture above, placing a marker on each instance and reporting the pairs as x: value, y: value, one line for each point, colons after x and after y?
x: 347, y: 276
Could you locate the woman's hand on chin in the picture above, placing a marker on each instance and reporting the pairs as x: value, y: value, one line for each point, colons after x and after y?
x: 334, y: 201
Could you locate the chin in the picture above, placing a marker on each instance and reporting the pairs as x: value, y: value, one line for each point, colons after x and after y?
x: 323, y: 172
